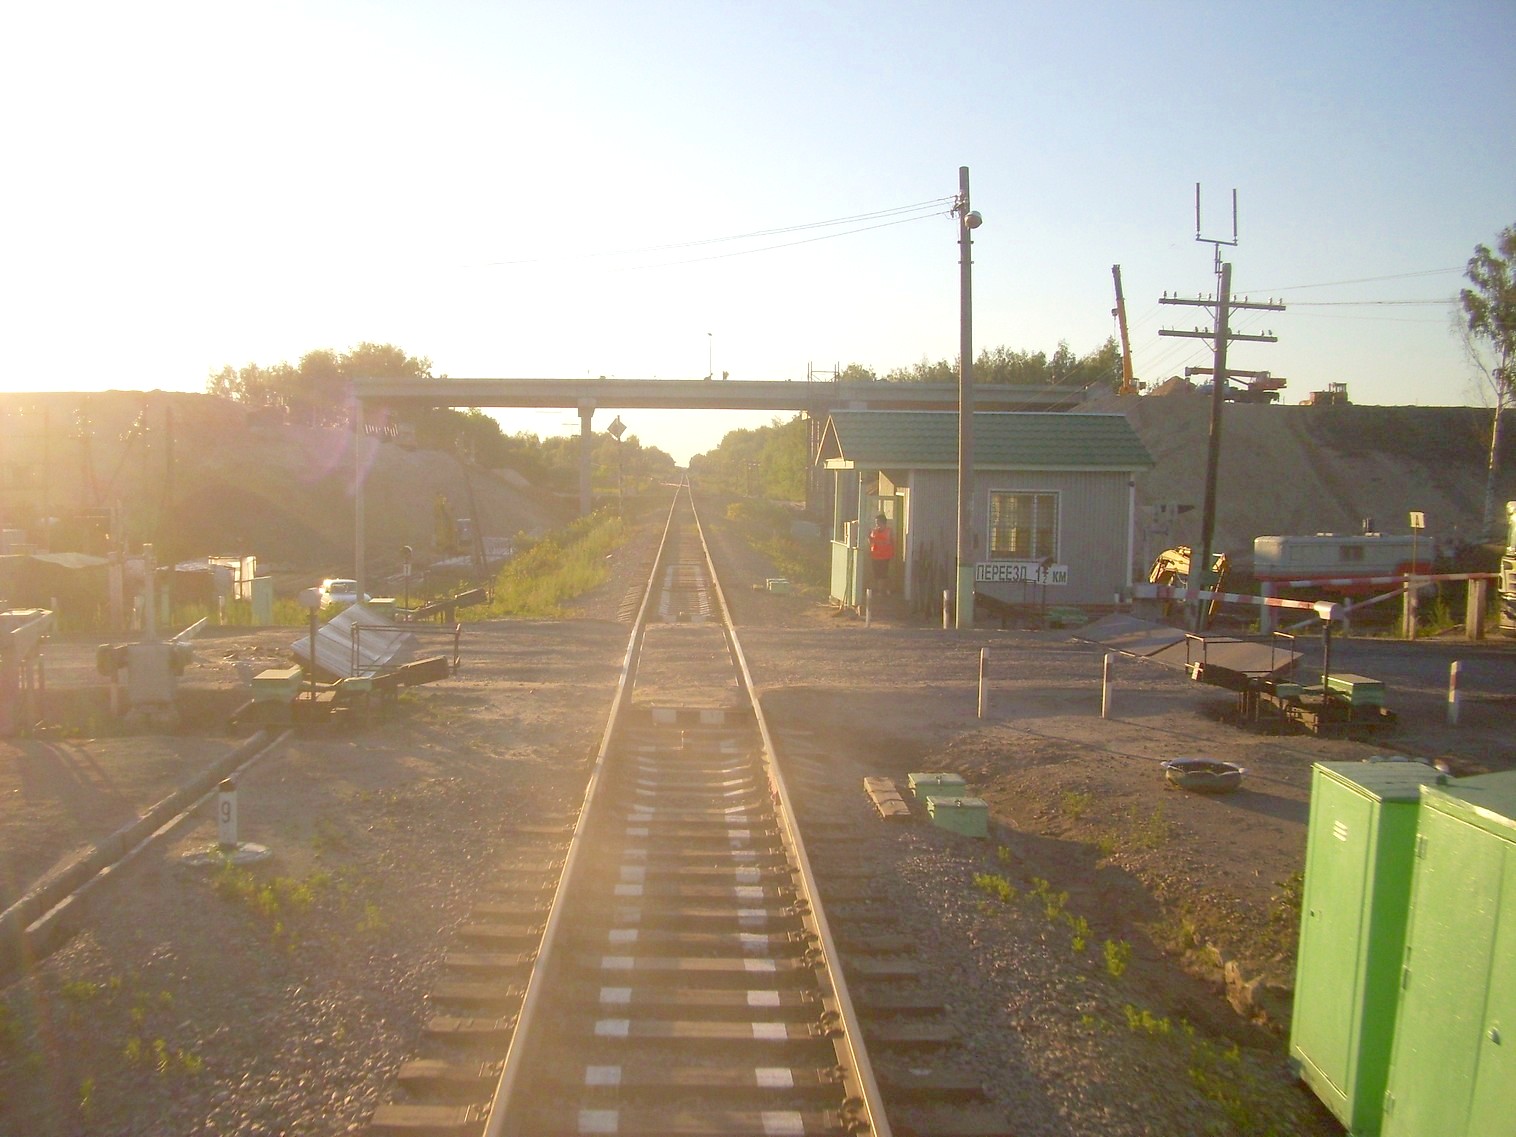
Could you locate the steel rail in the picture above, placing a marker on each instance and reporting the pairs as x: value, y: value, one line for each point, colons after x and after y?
x: 863, y: 1101
x: 515, y: 1057
x: 868, y: 1087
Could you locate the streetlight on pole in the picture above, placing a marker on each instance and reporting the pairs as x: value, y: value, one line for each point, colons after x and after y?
x: 710, y: 370
x: 968, y: 221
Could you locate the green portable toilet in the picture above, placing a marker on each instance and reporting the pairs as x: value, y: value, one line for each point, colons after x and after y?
x: 1453, y: 1070
x: 1360, y: 848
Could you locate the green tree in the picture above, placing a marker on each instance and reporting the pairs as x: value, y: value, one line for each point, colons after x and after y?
x: 317, y: 392
x: 856, y: 373
x: 767, y: 461
x: 924, y: 371
x: 1489, y: 309
x: 1099, y: 368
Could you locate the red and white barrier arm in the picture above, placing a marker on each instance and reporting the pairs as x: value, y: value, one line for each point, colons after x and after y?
x: 1348, y: 581
x: 1169, y: 592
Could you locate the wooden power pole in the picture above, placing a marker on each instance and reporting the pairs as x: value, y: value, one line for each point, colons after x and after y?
x: 1220, y: 336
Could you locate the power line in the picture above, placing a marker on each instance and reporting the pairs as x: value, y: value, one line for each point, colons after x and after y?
x: 1360, y: 280
x: 781, y: 245
x: 917, y: 211
x: 1366, y: 303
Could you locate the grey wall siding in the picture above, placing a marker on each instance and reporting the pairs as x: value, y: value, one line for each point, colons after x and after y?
x: 1092, y: 530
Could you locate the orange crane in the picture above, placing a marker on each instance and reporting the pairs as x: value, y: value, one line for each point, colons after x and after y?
x: 1128, y: 386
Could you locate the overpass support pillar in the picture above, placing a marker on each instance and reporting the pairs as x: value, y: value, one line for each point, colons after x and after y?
x: 586, y: 446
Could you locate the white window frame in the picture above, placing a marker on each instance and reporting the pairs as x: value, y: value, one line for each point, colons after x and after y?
x: 1028, y: 554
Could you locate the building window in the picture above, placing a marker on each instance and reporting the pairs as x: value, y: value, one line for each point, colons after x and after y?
x: 1023, y: 526
x: 1346, y: 553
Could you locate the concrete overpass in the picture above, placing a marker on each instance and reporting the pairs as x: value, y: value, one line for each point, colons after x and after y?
x: 817, y: 398
x: 706, y: 394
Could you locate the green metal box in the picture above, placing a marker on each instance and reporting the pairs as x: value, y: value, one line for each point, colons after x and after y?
x: 1356, y: 690
x: 277, y: 684
x: 939, y: 785
x: 1453, y: 1070
x: 1360, y: 850
x: 969, y: 816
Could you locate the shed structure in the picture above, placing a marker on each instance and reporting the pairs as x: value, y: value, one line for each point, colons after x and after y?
x: 1050, y: 490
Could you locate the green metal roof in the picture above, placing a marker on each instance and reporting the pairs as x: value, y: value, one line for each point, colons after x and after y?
x: 1021, y: 441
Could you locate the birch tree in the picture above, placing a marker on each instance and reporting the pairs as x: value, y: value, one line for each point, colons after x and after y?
x: 1489, y: 309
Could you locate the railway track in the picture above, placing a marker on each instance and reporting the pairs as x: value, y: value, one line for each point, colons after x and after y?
x: 662, y: 964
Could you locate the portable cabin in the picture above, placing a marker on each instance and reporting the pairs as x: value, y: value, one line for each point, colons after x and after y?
x: 1052, y: 514
x: 1339, y: 556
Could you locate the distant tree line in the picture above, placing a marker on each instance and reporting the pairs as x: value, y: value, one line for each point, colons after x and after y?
x: 766, y: 461
x: 318, y: 391
x: 1099, y: 368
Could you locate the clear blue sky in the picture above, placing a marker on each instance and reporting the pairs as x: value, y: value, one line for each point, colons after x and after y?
x: 527, y: 189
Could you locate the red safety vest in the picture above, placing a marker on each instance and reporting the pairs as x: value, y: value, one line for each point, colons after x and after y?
x: 881, y: 543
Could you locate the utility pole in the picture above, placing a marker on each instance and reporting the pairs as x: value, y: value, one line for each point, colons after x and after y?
x: 968, y: 221
x: 1221, y: 336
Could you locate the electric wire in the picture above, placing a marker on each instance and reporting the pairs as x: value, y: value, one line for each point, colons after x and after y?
x: 781, y: 245
x: 916, y: 211
x: 1368, y: 303
x: 1360, y: 280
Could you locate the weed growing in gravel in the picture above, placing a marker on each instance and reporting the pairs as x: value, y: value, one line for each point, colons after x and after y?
x: 1144, y: 1020
x: 1152, y: 832
x: 1215, y: 1073
x: 87, y: 1096
x: 1437, y: 617
x: 372, y: 919
x: 276, y: 901
x: 1106, y: 843
x: 1080, y: 927
x: 996, y: 886
x: 165, y: 1060
x: 1052, y: 902
x: 1002, y: 854
x: 1284, y: 905
x: 1118, y: 953
x: 1076, y: 803
x: 79, y: 990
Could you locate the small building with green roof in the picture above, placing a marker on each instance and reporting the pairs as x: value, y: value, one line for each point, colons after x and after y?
x: 1052, y: 515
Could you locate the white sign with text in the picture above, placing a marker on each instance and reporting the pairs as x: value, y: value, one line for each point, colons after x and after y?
x: 1020, y: 572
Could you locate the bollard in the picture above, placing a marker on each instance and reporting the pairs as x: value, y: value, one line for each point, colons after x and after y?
x: 226, y: 815
x: 868, y: 606
x: 1105, y: 687
x: 947, y: 607
x: 984, y: 659
x: 227, y: 850
x: 1474, y: 607
x: 1453, y: 699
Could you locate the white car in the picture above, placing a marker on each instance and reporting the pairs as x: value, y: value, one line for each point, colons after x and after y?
x: 336, y: 591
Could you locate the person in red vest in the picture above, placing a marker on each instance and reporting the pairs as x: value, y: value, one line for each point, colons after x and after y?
x: 881, y: 552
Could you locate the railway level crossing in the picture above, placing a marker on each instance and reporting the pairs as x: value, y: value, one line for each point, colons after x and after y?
x: 816, y: 398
